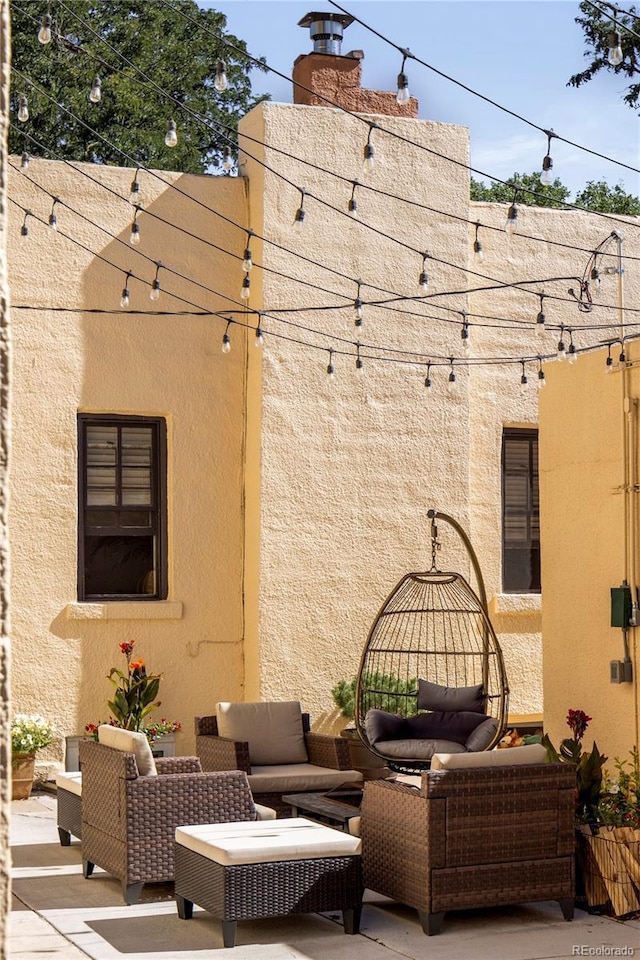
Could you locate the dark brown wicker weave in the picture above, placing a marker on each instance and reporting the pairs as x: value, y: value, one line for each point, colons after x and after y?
x: 472, y: 838
x: 69, y: 816
x: 277, y: 889
x: 220, y: 753
x: 129, y: 822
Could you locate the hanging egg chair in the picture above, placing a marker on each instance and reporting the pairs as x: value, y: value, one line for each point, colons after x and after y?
x: 432, y: 677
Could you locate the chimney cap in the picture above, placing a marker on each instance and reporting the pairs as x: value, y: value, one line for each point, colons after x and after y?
x: 344, y: 18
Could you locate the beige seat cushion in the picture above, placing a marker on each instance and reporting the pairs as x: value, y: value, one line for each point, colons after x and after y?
x: 265, y: 842
x: 298, y: 777
x: 531, y: 753
x: 273, y: 731
x: 71, y: 781
x: 129, y: 741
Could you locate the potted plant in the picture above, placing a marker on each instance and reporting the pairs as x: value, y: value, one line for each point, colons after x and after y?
x: 29, y: 733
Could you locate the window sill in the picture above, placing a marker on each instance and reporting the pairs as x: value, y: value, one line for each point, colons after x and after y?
x: 515, y: 603
x: 125, y: 610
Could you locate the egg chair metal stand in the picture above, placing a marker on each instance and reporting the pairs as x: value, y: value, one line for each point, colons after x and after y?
x: 432, y: 633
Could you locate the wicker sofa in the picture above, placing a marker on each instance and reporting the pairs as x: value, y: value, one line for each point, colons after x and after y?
x: 132, y: 804
x: 272, y: 743
x: 472, y: 837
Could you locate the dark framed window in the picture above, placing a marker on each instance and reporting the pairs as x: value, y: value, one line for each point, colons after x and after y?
x: 520, y: 512
x: 122, y: 549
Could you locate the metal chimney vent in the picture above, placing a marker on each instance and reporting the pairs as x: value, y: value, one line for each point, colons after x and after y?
x: 326, y: 30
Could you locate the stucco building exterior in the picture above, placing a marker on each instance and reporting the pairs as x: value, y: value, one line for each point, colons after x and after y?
x: 293, y: 502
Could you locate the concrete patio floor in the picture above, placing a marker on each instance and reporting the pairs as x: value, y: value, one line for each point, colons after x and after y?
x: 58, y: 914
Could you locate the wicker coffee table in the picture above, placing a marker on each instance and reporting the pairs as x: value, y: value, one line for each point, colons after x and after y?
x: 336, y: 808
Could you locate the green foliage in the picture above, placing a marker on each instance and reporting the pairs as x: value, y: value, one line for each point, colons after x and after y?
x: 596, y: 27
x: 30, y: 733
x: 619, y: 803
x: 135, y: 691
x: 598, y: 195
x: 177, y: 55
x: 589, y: 766
x: 552, y: 196
x: 379, y: 690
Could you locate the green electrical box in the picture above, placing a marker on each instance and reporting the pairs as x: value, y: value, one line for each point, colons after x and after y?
x: 620, y: 606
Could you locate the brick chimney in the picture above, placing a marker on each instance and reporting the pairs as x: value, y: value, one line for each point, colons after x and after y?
x: 337, y: 78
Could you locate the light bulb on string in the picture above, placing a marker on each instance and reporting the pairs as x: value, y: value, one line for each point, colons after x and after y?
x: 403, y: 95
x: 477, y: 247
x: 594, y: 277
x: 609, y: 361
x: 330, y: 368
x: 23, y: 109
x: 572, y: 353
x: 247, y: 262
x: 134, y: 238
x: 245, y: 291
x: 124, y: 299
x: 155, y: 286
x: 259, y: 338
x: 24, y: 229
x: 451, y: 382
x: 53, y: 220
x: 523, y: 378
x: 134, y: 194
x: 220, y: 82
x: 427, y: 379
x: 226, y: 339
x: 171, y: 136
x: 511, y: 224
x: 359, y: 363
x: 546, y: 177
x: 542, y: 381
x: 369, y: 153
x: 615, y: 55
x: 353, y: 206
x: 561, y: 350
x: 24, y: 162
x: 465, y: 335
x: 95, y: 94
x: 298, y: 220
x: 623, y: 357
x: 44, y: 33
x: 357, y: 308
x: 227, y: 159
x: 541, y: 318
x: 423, y: 279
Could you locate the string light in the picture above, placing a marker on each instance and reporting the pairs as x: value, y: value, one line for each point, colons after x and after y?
x: 369, y: 153
x: 220, y: 82
x: 359, y: 363
x: 572, y: 353
x: 546, y: 176
x: 24, y: 162
x: 259, y: 339
x: 245, y: 291
x: 523, y: 379
x: 227, y: 159
x: 330, y: 368
x: 622, y: 358
x: 423, y: 279
x: 44, y: 33
x: 226, y: 339
x: 427, y: 379
x: 594, y: 278
x: 124, y: 299
x: 403, y: 95
x: 541, y: 318
x: 155, y: 287
x: 464, y: 334
x: 53, y: 220
x: 298, y: 221
x: 95, y: 94
x: 357, y: 307
x: 247, y: 262
x: 24, y: 229
x: 23, y: 109
x: 134, y: 195
x: 477, y: 247
x: 134, y: 238
x: 541, y: 377
x: 451, y: 383
x: 609, y: 361
x: 562, y: 350
x: 171, y: 136
x: 353, y: 206
x: 511, y: 224
x: 615, y: 55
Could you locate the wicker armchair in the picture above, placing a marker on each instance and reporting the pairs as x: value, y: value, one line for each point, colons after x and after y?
x: 273, y: 744
x: 129, y: 821
x: 470, y: 838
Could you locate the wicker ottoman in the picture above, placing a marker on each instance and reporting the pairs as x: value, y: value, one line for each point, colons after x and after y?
x: 245, y: 871
x: 69, y: 797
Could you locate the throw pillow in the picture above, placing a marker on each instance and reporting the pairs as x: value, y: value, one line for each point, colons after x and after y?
x: 380, y: 725
x: 433, y: 696
x: 443, y: 725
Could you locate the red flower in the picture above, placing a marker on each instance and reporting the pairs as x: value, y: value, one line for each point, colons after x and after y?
x: 127, y: 647
x: 577, y: 720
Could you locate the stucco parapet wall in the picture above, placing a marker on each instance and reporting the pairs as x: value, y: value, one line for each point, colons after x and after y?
x: 169, y: 610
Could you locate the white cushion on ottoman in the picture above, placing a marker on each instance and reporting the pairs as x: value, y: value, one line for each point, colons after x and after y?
x: 71, y: 781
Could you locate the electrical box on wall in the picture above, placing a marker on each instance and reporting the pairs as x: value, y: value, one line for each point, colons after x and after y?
x: 620, y: 606
x: 621, y: 671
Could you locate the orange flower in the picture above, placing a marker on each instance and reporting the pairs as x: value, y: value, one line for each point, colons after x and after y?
x: 137, y: 664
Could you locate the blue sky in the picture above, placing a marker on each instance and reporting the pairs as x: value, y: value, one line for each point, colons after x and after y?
x: 517, y: 52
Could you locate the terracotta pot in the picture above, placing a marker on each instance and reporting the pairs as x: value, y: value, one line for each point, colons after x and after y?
x: 23, y: 766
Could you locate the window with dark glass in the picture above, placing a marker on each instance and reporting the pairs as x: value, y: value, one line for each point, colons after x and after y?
x: 520, y: 512
x: 122, y: 516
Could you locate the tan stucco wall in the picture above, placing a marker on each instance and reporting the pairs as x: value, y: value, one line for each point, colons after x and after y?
x: 582, y: 421
x: 118, y: 362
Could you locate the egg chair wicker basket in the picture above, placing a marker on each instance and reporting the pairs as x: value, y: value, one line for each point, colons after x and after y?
x: 432, y: 627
